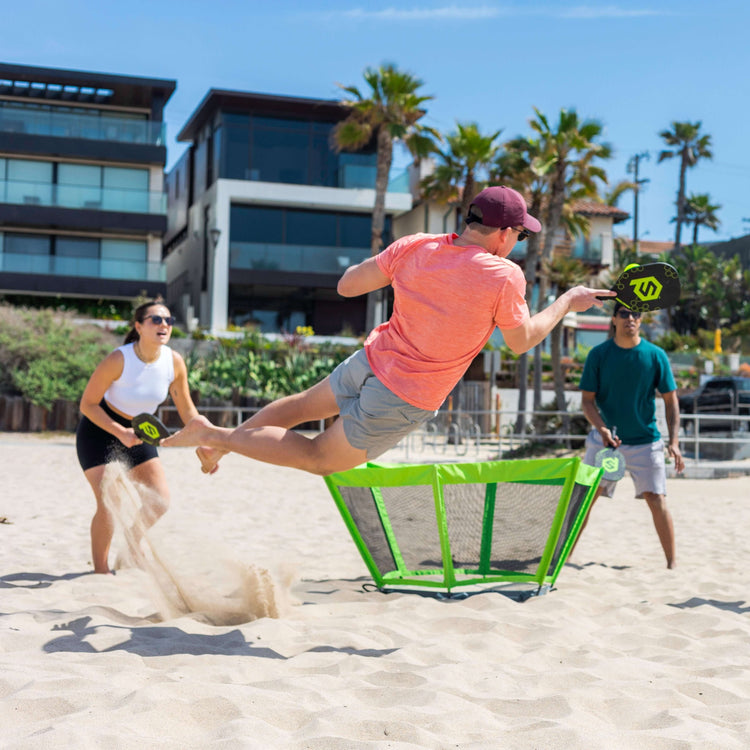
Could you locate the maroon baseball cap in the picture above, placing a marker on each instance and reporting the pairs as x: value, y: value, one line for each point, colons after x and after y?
x: 501, y: 206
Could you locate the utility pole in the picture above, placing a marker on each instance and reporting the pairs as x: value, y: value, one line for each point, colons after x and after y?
x: 633, y: 167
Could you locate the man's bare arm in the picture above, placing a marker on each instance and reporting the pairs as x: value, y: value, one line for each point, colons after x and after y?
x: 530, y: 333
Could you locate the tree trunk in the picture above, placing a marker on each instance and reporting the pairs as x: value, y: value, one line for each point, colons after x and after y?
x: 680, y: 202
x: 523, y: 379
x: 530, y: 273
x: 376, y: 313
x: 559, y: 375
x: 553, y: 218
x: 468, y: 193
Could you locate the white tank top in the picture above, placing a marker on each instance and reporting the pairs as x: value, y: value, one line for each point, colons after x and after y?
x: 142, y: 386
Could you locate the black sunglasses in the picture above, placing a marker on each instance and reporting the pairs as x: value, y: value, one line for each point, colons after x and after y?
x: 157, y: 319
x: 623, y: 313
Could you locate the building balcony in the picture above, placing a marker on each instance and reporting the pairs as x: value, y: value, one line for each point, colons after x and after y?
x: 95, y: 268
x: 361, y: 176
x: 81, y: 196
x: 587, y: 248
x: 67, y: 125
x: 258, y: 256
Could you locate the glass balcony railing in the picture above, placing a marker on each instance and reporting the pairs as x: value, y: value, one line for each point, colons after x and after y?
x: 94, y: 127
x: 260, y: 256
x: 82, y: 196
x: 583, y: 248
x: 399, y: 182
x: 95, y: 268
x: 359, y: 176
x: 587, y: 248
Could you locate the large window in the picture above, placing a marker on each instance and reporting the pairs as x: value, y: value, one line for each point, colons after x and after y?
x: 292, y: 239
x: 28, y: 181
x: 78, y: 186
x: 276, y: 149
x: 293, y: 226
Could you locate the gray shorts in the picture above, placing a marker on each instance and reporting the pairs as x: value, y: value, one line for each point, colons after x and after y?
x: 375, y: 419
x: 644, y: 462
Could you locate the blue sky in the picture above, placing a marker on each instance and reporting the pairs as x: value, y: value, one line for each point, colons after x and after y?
x: 634, y: 65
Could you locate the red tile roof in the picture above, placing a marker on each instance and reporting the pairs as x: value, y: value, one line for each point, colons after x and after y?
x: 591, y: 208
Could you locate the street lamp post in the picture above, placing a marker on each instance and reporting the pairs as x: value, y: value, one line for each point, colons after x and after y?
x: 214, y: 233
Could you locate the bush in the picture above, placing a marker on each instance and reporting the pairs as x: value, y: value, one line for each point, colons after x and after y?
x: 44, y: 356
x: 255, y: 367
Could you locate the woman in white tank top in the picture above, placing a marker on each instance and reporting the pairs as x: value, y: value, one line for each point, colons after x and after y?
x: 134, y: 378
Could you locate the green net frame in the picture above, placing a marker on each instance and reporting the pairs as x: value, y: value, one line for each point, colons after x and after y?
x: 441, y: 526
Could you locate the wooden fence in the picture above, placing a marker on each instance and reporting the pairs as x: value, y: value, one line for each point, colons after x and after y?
x: 19, y: 415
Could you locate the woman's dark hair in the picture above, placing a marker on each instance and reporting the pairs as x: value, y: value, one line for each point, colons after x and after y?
x: 139, y: 315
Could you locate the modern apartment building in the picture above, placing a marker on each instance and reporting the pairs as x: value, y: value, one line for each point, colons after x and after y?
x: 264, y: 215
x: 82, y: 203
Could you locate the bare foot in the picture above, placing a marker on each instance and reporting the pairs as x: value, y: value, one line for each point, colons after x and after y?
x: 195, y: 432
x: 209, y: 458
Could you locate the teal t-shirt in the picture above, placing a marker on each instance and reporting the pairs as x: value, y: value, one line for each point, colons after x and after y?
x: 625, y: 381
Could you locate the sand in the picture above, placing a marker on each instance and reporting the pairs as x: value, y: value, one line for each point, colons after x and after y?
x: 279, y: 645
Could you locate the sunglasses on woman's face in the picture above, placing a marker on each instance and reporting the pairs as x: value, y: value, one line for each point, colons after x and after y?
x: 157, y: 319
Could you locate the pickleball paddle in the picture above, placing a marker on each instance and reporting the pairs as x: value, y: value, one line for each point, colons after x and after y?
x: 612, y: 461
x: 652, y: 286
x: 149, y: 428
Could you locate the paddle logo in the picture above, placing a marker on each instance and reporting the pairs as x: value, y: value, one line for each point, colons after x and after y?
x: 149, y: 430
x: 610, y: 464
x: 647, y: 289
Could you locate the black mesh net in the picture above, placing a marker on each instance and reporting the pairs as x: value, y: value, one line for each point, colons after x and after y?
x: 502, y: 527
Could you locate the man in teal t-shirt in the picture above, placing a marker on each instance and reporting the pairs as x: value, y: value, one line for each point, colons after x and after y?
x: 619, y: 384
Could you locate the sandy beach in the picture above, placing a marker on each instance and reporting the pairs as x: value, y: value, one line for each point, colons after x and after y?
x: 254, y: 630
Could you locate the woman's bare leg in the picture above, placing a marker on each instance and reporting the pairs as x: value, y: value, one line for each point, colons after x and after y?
x: 102, y: 526
x: 156, y: 502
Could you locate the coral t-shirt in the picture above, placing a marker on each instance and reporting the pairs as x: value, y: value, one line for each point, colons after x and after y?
x: 447, y: 301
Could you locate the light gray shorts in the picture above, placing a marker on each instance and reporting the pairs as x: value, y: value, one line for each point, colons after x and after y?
x: 375, y: 419
x: 644, y: 462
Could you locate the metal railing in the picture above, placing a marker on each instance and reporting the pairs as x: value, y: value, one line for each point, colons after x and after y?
x: 458, y: 433
x: 83, y: 196
x: 95, y: 268
x: 269, y: 256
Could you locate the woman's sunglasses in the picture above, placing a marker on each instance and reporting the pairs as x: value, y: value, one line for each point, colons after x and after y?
x: 157, y: 319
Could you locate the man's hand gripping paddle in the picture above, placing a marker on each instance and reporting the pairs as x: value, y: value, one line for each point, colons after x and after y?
x: 149, y: 428
x: 652, y: 286
x: 612, y: 461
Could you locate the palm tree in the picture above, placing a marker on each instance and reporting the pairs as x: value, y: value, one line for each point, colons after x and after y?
x: 689, y: 145
x: 698, y: 269
x: 462, y: 171
x: 699, y: 211
x: 613, y: 195
x: 390, y: 112
x: 568, y: 153
x: 564, y: 273
x: 521, y: 166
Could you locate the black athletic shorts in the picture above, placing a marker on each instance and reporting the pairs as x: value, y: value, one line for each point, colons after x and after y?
x: 96, y: 447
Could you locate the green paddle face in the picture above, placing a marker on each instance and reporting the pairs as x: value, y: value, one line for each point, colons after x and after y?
x: 149, y: 428
x: 613, y: 463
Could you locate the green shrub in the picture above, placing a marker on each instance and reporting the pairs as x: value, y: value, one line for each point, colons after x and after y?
x: 44, y: 356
